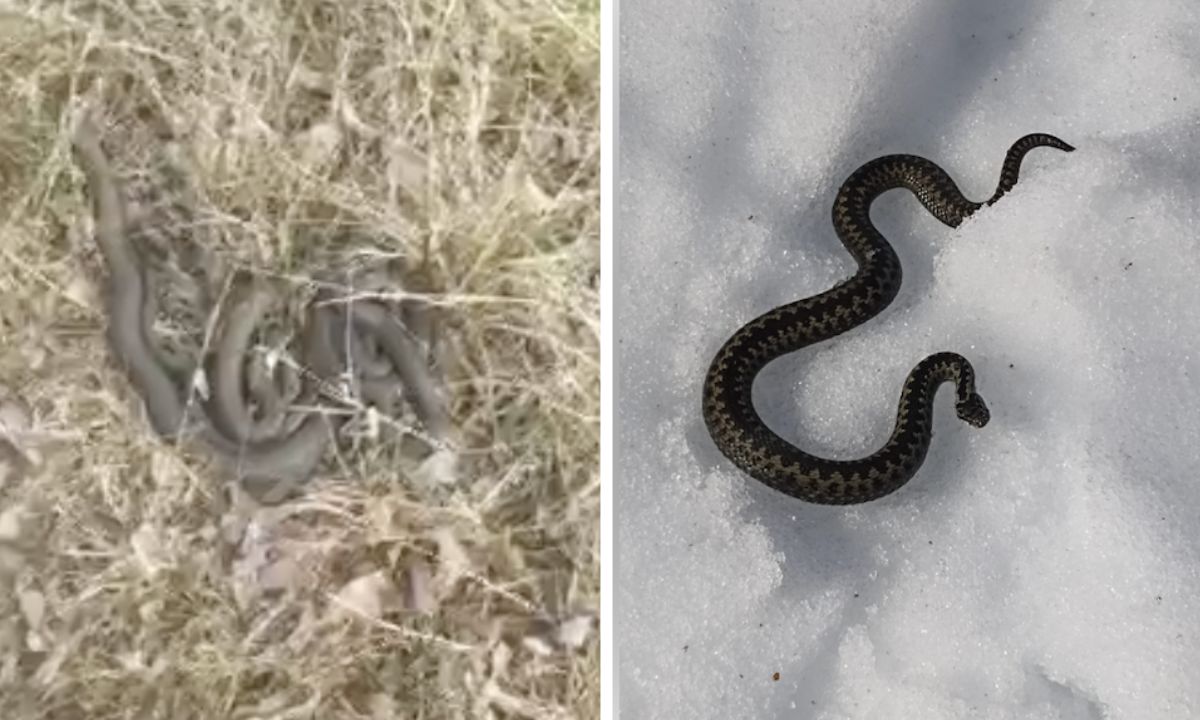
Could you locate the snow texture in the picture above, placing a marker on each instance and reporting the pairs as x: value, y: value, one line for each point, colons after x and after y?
x: 1045, y: 566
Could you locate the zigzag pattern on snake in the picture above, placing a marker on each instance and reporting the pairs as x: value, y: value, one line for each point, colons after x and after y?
x: 735, y: 426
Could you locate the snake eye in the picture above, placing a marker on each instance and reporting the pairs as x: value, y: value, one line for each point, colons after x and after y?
x: 973, y: 411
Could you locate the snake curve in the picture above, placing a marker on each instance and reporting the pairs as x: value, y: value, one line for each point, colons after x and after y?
x: 270, y: 468
x: 735, y: 426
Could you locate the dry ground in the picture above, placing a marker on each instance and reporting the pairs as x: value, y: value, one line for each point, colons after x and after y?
x: 461, y: 135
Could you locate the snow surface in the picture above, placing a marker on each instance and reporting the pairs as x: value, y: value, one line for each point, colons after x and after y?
x: 1046, y: 566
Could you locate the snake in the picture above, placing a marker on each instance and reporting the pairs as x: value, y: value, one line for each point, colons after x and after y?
x: 271, y: 467
x: 729, y: 414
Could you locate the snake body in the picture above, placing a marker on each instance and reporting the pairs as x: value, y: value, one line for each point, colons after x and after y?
x: 729, y: 414
x: 269, y: 466
x: 228, y: 408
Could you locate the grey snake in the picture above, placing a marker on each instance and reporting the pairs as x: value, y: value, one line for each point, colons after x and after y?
x: 270, y: 467
x: 729, y: 414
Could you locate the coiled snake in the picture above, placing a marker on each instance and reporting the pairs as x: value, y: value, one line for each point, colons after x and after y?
x: 270, y: 466
x: 735, y: 426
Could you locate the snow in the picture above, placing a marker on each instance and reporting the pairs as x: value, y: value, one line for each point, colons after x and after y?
x: 1045, y: 566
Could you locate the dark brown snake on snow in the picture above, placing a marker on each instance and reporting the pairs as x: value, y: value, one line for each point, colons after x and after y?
x: 728, y: 410
x: 270, y: 467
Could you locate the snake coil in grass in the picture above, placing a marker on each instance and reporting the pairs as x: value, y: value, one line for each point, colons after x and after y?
x: 270, y: 466
x: 735, y: 426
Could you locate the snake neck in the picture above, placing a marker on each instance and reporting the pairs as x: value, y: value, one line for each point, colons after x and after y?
x: 915, y: 412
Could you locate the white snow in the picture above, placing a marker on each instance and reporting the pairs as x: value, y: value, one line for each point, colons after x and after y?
x: 1045, y: 566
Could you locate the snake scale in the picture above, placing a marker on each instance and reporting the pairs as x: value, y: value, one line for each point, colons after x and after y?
x: 729, y: 414
x: 271, y: 466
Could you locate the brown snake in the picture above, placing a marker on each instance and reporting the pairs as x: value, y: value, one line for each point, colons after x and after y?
x: 729, y: 414
x: 269, y: 467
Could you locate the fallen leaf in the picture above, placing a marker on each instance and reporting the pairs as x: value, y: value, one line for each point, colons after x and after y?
x: 406, y: 170
x: 367, y: 595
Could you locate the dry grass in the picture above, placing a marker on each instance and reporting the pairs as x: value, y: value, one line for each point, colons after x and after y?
x: 460, y: 135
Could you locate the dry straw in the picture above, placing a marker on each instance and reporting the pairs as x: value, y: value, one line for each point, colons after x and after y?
x: 461, y: 136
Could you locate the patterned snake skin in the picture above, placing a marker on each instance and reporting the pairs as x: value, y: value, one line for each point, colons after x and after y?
x: 729, y: 413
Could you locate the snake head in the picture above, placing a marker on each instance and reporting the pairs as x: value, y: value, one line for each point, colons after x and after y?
x: 973, y: 410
